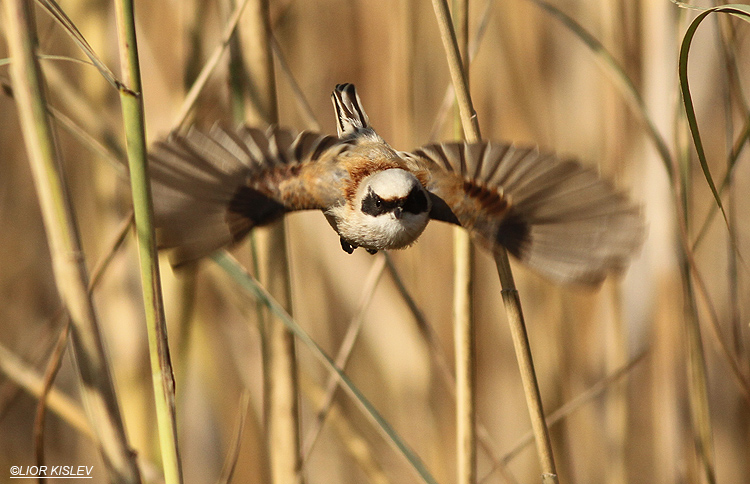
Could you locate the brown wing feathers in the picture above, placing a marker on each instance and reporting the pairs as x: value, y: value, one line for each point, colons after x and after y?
x: 556, y: 216
x: 212, y: 189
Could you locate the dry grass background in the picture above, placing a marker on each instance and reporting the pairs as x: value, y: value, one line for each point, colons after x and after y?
x: 532, y: 81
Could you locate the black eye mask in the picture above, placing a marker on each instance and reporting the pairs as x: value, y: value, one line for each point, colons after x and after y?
x: 373, y: 205
x: 416, y: 202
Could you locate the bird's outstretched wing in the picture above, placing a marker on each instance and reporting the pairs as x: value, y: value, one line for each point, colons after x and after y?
x: 211, y: 189
x: 557, y: 216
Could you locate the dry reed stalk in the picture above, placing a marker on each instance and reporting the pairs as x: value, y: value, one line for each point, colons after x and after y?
x: 237, y: 74
x: 680, y: 173
x: 91, y: 142
x: 58, y: 402
x: 208, y: 68
x: 697, y: 389
x: 616, y: 434
x: 304, y: 108
x: 440, y: 360
x: 110, y: 154
x: 55, y: 359
x: 280, y: 365
x: 449, y: 97
x: 67, y: 409
x: 463, y: 326
x: 50, y: 372
x: 69, y: 268
x: 509, y: 291
x: 616, y: 409
x: 700, y: 413
x: 463, y: 305
x: 230, y: 463
x: 731, y: 84
x: 697, y: 366
x: 131, y: 99
x: 568, y: 408
x: 404, y: 54
x: 68, y: 96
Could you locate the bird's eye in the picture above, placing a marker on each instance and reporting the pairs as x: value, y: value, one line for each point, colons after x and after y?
x: 374, y: 205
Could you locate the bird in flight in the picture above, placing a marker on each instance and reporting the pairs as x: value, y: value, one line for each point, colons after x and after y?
x: 556, y: 216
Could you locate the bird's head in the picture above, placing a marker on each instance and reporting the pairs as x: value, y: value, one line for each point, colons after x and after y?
x: 394, y: 206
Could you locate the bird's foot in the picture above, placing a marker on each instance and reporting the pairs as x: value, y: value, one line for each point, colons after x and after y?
x: 348, y: 248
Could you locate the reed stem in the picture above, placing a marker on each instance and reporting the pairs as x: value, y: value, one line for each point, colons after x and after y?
x: 71, y: 275
x: 510, y: 293
x: 131, y: 100
x: 463, y: 305
x: 281, y: 390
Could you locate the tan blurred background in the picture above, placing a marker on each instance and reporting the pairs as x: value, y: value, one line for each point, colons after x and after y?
x: 532, y: 81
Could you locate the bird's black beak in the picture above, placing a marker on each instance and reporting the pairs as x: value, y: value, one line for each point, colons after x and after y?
x: 398, y: 212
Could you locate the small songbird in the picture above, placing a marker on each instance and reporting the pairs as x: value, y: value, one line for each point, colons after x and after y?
x: 556, y: 216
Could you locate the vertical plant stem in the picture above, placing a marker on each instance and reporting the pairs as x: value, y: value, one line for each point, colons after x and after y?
x: 261, y: 82
x: 463, y: 321
x: 456, y: 67
x: 237, y: 74
x: 509, y: 291
x: 69, y: 268
x: 303, y: 106
x: 697, y: 378
x: 700, y: 414
x: 528, y: 376
x: 208, y: 68
x: 55, y: 360
x: 466, y: 442
x: 237, y: 91
x: 131, y: 99
x: 280, y: 369
x: 616, y: 435
x: 403, y: 56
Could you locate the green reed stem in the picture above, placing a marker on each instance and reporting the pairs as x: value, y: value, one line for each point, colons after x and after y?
x: 69, y: 267
x: 131, y: 99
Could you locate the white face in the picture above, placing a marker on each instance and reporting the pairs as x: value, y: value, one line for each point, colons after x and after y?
x: 391, y: 210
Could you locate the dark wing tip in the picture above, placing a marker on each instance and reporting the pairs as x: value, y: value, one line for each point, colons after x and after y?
x: 250, y: 208
x: 555, y: 215
x: 514, y: 234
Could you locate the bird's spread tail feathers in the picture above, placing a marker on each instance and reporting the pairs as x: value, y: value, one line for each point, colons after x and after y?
x: 351, y: 118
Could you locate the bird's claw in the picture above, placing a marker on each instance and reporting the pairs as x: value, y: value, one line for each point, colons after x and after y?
x: 348, y: 248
